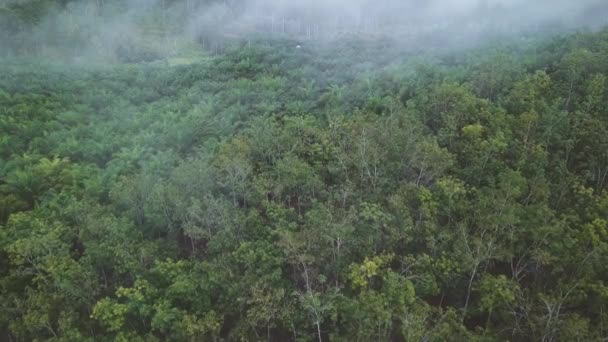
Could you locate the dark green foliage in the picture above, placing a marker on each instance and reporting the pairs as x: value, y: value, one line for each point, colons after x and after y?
x: 269, y: 193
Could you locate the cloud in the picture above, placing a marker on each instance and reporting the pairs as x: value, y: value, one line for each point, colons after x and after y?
x: 152, y: 28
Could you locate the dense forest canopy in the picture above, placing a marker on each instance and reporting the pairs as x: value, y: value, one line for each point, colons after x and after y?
x: 336, y: 181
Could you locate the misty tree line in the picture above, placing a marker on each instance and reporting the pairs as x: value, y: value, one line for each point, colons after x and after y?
x: 149, y: 30
x: 330, y: 193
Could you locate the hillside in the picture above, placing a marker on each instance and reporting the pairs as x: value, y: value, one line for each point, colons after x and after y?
x: 299, y: 191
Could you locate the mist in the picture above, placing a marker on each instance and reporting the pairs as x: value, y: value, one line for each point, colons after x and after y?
x: 303, y: 170
x: 146, y: 30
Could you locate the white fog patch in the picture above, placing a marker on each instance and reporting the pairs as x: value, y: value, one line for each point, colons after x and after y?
x: 150, y: 29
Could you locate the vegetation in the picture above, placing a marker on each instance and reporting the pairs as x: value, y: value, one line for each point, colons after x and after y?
x: 306, y: 194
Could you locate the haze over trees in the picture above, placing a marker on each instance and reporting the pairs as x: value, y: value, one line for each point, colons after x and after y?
x: 213, y: 172
x: 146, y: 30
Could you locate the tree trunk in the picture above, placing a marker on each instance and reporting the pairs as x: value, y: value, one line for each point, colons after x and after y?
x: 466, y: 302
x: 319, y: 330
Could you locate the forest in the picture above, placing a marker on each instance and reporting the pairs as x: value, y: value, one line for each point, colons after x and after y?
x: 283, y: 188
